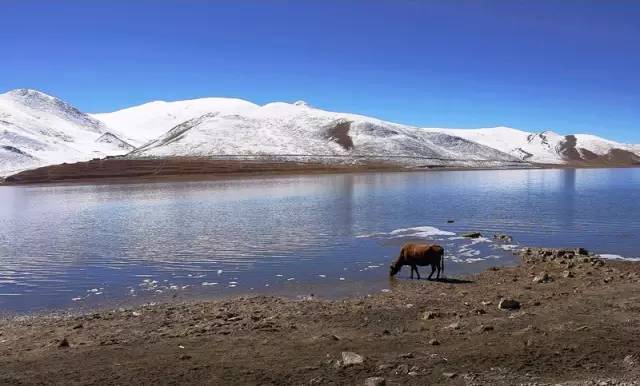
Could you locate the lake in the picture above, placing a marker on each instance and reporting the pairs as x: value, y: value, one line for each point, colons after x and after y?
x: 331, y: 235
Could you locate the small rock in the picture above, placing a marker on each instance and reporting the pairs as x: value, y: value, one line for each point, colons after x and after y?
x: 406, y: 355
x: 567, y: 274
x: 350, y: 358
x: 450, y: 221
x: 542, y: 278
x: 509, y: 304
x: 503, y: 237
x: 482, y: 328
x: 317, y: 381
x: 434, y: 342
x: 449, y: 375
x: 402, y: 369
x: 412, y: 373
x: 453, y: 326
x: 581, y: 251
x: 78, y: 326
x: 430, y: 315
x: 64, y: 343
x: 630, y: 361
x: 375, y: 381
x: 472, y: 235
x: 185, y: 357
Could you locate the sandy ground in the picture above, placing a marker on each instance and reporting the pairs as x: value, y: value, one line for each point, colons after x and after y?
x: 580, y: 323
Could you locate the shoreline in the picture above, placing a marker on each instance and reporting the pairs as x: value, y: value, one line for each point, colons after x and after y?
x: 135, y: 171
x: 580, y: 326
x: 149, y: 170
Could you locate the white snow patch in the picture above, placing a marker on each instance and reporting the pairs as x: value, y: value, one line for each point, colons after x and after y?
x: 618, y: 257
x: 420, y: 232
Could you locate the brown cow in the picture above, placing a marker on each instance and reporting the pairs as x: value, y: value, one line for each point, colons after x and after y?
x: 415, y: 255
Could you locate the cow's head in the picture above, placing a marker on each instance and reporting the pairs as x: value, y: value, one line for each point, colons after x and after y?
x: 394, y: 269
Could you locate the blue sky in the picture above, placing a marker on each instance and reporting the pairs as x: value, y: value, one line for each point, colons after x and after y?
x: 570, y: 66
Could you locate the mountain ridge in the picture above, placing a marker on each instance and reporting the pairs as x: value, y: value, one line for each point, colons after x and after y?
x: 37, y: 129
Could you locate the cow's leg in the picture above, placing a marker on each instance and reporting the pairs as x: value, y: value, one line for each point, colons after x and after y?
x: 438, y: 274
x: 417, y: 273
x: 433, y: 269
x: 412, y: 271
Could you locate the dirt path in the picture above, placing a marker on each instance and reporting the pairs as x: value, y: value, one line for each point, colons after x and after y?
x: 581, y: 328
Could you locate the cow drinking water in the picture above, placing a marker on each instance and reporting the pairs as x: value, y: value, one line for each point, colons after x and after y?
x: 415, y: 255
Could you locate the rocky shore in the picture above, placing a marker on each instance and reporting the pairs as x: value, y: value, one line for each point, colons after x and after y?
x: 561, y: 316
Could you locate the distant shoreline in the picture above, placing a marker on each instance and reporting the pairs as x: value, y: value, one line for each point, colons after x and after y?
x: 124, y: 170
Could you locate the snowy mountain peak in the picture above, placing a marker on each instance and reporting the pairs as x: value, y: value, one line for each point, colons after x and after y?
x: 301, y: 103
x: 28, y: 93
x: 149, y: 121
x: 40, y: 105
x: 37, y: 129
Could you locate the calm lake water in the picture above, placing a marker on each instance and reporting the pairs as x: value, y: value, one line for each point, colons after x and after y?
x: 332, y: 235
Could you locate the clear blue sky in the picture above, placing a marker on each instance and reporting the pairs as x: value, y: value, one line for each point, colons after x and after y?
x: 571, y: 66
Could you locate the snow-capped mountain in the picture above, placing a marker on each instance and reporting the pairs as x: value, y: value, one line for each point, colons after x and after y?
x: 149, y: 121
x: 550, y: 148
x: 294, y: 130
x: 37, y: 129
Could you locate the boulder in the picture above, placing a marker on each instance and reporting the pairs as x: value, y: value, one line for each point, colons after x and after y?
x: 472, y: 235
x: 434, y: 342
x: 509, y: 304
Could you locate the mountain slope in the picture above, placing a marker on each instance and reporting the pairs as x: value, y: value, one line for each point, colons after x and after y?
x: 549, y: 147
x: 37, y: 129
x: 297, y: 130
